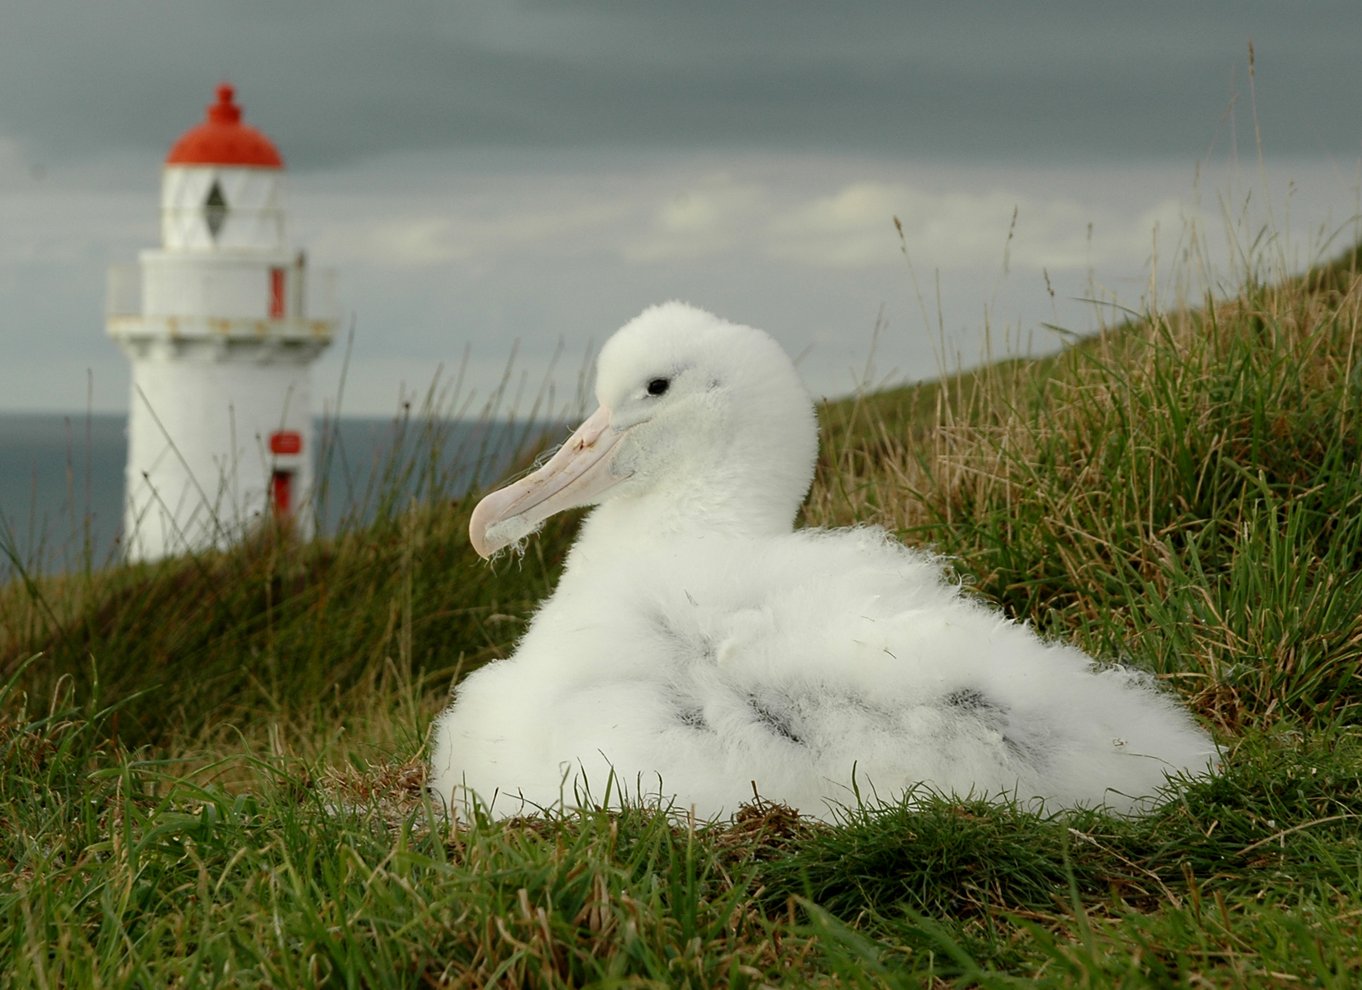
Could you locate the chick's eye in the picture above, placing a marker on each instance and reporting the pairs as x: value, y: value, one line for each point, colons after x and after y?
x: 659, y: 386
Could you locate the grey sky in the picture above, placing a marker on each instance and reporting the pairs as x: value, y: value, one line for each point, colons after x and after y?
x: 1046, y: 81
x: 482, y: 173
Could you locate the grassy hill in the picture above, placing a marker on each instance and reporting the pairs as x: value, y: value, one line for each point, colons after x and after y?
x: 210, y: 768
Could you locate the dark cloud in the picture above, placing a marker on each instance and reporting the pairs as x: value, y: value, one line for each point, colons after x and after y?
x: 347, y: 80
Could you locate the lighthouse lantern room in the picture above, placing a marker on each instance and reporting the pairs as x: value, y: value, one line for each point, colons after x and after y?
x: 221, y: 324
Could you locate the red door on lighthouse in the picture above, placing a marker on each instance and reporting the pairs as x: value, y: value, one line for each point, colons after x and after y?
x: 281, y: 494
x: 288, y: 444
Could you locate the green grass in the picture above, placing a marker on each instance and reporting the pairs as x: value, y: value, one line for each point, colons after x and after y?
x: 210, y: 769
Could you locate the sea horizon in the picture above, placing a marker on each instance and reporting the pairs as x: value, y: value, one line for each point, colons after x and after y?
x: 62, y: 476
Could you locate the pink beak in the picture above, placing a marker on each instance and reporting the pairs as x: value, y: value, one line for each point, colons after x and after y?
x: 574, y: 476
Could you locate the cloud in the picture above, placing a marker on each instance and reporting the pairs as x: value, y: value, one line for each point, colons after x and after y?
x: 789, y: 220
x: 477, y: 227
x: 998, y: 228
x: 13, y: 160
x: 416, y: 241
x: 855, y: 227
x: 711, y: 218
x: 851, y: 228
x: 566, y: 223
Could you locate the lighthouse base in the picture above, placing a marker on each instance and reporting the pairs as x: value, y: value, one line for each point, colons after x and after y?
x: 219, y: 444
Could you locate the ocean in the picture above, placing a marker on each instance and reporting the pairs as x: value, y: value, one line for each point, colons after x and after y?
x: 61, y: 477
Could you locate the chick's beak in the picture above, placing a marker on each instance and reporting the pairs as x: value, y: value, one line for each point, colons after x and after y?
x: 578, y: 474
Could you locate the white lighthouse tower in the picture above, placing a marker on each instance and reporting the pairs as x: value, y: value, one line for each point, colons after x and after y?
x: 220, y: 436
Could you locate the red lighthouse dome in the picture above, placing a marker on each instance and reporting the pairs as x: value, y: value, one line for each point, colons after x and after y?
x: 222, y: 139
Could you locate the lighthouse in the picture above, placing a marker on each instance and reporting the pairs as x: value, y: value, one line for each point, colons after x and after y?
x: 221, y: 324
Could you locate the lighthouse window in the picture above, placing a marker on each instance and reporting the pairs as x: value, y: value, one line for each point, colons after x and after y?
x: 215, y: 209
x: 278, y: 306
